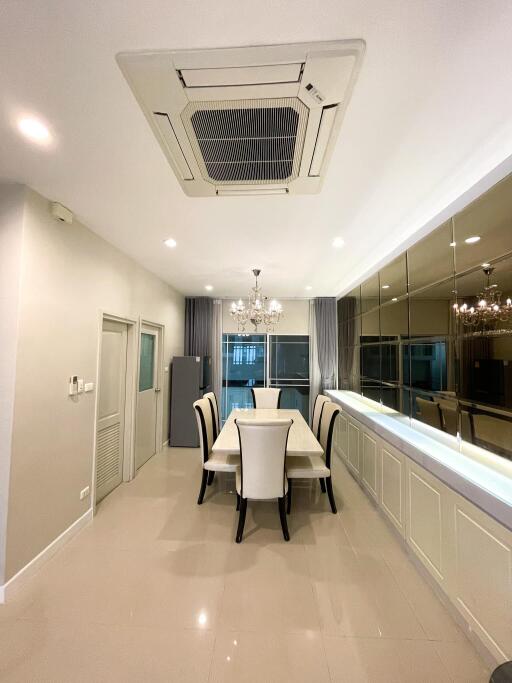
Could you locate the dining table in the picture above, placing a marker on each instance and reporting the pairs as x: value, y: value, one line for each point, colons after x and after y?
x: 301, y: 440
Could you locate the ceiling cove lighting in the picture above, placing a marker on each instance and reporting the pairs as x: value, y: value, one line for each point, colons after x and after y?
x: 472, y: 240
x: 34, y: 130
x: 170, y: 243
x: 258, y: 310
x: 338, y: 242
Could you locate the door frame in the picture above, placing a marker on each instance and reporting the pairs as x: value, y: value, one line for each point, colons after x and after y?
x: 132, y: 353
x: 160, y: 383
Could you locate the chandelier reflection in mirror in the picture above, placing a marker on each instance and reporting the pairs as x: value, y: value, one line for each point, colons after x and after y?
x: 489, y: 311
x: 258, y: 310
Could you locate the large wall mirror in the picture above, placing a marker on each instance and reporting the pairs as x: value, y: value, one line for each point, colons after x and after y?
x: 430, y: 335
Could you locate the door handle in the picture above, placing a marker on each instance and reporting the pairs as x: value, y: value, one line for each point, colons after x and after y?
x: 157, y: 389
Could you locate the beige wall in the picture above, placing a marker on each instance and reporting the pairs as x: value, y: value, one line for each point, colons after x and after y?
x: 69, y: 275
x: 295, y: 317
x: 11, y: 234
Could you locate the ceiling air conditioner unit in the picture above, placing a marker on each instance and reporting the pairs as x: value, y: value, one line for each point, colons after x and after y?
x: 246, y: 121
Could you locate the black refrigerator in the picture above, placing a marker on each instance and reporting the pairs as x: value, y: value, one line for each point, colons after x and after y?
x: 190, y: 380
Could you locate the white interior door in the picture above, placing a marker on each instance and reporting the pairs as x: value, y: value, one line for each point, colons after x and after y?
x: 111, y: 408
x: 146, y: 442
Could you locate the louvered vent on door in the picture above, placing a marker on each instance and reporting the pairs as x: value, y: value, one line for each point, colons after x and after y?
x: 108, y: 455
x: 237, y: 142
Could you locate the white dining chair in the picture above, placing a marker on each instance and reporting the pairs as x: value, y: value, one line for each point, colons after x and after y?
x: 316, y: 466
x: 261, y: 475
x: 212, y: 462
x: 317, y: 411
x: 266, y: 397
x: 215, y: 412
x: 429, y: 412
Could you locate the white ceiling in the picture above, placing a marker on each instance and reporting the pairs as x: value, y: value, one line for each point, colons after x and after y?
x: 430, y: 115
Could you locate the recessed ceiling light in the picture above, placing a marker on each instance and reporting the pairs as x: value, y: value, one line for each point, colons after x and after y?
x: 453, y: 244
x: 208, y: 287
x: 170, y: 243
x: 308, y: 287
x: 338, y: 242
x: 385, y: 286
x: 472, y: 240
x: 34, y: 130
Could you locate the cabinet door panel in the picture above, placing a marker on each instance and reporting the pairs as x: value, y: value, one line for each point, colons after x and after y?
x: 354, y: 435
x: 393, y: 486
x: 369, y: 469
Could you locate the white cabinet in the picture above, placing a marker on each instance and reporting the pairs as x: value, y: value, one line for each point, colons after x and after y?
x: 392, y: 486
x: 341, y: 436
x: 427, y: 520
x: 370, y: 470
x: 466, y: 551
x: 482, y: 575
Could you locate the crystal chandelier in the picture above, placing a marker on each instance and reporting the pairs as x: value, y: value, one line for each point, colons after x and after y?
x: 489, y: 311
x: 258, y: 310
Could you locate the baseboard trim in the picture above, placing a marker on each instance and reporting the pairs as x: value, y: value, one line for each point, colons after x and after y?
x: 25, y: 573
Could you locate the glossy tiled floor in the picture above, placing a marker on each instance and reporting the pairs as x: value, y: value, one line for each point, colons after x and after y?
x: 155, y: 589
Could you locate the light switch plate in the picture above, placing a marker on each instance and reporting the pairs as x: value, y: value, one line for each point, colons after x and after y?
x: 84, y: 492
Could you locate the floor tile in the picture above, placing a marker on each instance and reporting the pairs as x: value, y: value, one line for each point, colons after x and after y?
x: 50, y: 652
x: 261, y: 657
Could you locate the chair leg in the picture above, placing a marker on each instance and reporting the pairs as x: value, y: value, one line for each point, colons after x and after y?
x: 203, y: 487
x: 282, y: 515
x: 241, y: 520
x: 330, y: 493
x: 237, y: 502
x: 211, y: 476
x: 322, y: 485
x: 289, y: 507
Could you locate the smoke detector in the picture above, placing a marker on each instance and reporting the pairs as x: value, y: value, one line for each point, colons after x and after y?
x: 245, y: 121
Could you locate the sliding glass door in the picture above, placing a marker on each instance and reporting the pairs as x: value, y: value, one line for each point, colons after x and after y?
x: 244, y: 364
x: 289, y: 370
x: 261, y: 360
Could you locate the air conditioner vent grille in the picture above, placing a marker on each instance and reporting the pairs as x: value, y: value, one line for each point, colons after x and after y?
x: 249, y: 140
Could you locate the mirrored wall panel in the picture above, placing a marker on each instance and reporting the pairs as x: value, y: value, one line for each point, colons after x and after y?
x: 430, y: 335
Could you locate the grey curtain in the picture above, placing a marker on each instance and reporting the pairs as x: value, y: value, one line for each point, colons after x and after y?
x: 327, y: 334
x: 346, y: 340
x: 198, y: 326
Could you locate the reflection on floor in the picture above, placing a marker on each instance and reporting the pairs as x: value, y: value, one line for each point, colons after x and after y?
x: 155, y: 589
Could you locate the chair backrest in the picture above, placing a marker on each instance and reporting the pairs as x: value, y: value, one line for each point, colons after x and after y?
x: 204, y: 417
x: 429, y: 412
x: 317, y: 411
x: 494, y: 431
x: 266, y: 397
x: 330, y: 412
x: 466, y: 426
x: 450, y: 419
x: 263, y: 450
x: 215, y: 412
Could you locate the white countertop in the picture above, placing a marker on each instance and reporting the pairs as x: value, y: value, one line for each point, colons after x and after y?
x: 484, y: 478
x: 301, y: 440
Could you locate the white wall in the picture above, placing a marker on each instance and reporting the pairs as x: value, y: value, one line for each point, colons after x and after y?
x: 11, y: 232
x: 69, y: 275
x: 295, y: 317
